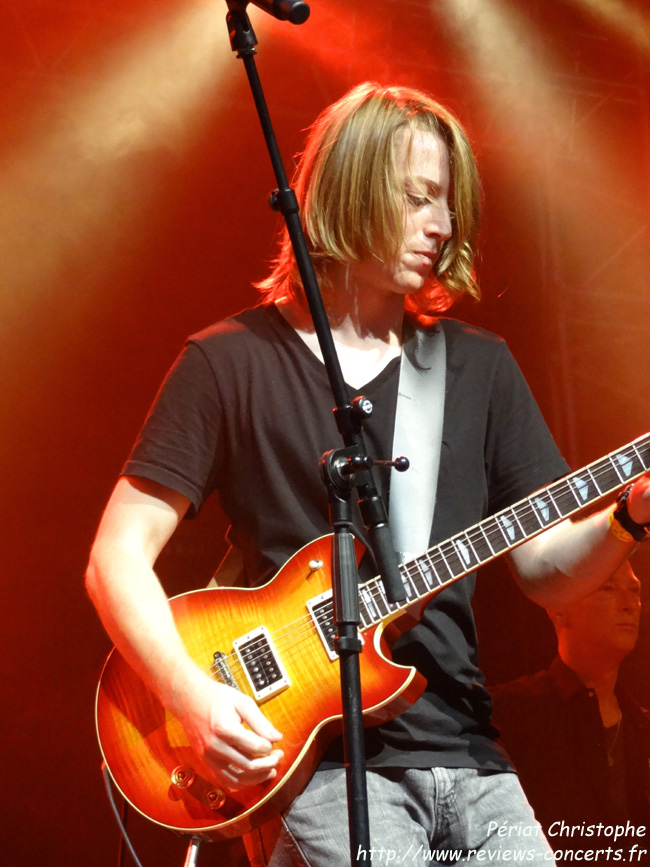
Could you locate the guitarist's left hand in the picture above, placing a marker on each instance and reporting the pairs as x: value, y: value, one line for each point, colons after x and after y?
x: 638, y: 504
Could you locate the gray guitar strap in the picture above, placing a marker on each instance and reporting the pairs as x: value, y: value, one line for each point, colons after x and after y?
x: 418, y: 436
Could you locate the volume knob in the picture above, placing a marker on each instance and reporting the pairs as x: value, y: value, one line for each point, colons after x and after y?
x: 216, y: 799
x: 182, y: 777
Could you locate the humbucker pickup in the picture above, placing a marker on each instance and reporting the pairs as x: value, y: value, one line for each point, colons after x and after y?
x: 261, y: 663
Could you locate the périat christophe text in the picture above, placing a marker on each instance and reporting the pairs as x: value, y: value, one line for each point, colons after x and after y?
x: 615, y: 843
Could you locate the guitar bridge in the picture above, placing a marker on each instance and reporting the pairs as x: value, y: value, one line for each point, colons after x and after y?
x: 261, y: 663
x: 221, y: 669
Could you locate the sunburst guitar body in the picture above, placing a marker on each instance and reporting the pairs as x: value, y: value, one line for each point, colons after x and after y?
x: 274, y: 643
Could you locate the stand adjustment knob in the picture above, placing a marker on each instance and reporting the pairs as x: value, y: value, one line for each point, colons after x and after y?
x: 362, y: 407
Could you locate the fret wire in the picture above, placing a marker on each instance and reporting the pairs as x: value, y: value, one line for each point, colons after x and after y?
x: 610, y: 472
x: 480, y: 544
x: 471, y: 545
x: 550, y: 503
x: 432, y: 566
x: 567, y: 496
x: 382, y: 597
x: 444, y: 558
x: 588, y: 483
x: 392, y: 606
x: 503, y: 532
x: 593, y: 479
x: 418, y: 578
x: 490, y: 528
x: 633, y: 456
x: 374, y: 591
x: 614, y: 464
x: 514, y: 512
x: 571, y: 484
x: 411, y: 583
x: 593, y: 473
x: 463, y: 561
x: 362, y: 605
x: 485, y: 536
x: 537, y: 515
x: 638, y: 454
x: 508, y: 540
x: 526, y: 514
x: 557, y: 508
x: 424, y: 575
x: 406, y: 573
x: 372, y: 608
x: 378, y: 592
x: 453, y: 556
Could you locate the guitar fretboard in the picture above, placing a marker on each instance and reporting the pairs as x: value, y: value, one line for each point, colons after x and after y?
x: 494, y: 536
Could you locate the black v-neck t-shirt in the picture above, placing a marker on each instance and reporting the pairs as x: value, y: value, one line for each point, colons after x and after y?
x: 246, y: 412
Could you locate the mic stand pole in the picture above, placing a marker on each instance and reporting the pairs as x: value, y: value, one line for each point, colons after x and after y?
x: 337, y: 467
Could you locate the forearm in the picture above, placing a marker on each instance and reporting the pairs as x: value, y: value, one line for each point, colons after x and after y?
x: 138, y: 521
x: 569, y: 561
x: 135, y: 612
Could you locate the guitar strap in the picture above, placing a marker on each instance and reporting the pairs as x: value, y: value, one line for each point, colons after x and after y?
x: 418, y: 435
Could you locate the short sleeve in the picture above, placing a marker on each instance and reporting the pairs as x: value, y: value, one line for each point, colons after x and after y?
x: 520, y: 453
x: 178, y: 443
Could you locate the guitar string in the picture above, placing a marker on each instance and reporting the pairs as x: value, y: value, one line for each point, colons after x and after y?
x: 411, y: 572
x: 522, y: 515
x: 306, y: 622
x: 253, y: 655
x: 287, y: 632
x: 307, y: 626
x: 290, y: 631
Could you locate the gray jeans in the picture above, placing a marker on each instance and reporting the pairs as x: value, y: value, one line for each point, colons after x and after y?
x: 436, y: 816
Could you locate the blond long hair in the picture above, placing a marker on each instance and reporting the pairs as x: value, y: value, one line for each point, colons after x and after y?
x: 352, y: 200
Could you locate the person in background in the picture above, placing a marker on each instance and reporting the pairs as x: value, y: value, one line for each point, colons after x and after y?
x: 579, y: 741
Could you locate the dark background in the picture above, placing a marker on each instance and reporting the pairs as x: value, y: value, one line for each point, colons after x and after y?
x: 133, y: 211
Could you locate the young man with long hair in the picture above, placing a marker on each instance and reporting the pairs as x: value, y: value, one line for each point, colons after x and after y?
x: 389, y: 197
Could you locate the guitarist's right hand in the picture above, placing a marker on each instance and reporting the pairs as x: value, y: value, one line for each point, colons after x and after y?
x: 230, y: 733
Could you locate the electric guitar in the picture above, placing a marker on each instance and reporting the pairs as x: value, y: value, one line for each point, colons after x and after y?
x: 276, y: 644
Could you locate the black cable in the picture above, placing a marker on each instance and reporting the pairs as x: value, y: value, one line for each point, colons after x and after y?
x: 116, y: 812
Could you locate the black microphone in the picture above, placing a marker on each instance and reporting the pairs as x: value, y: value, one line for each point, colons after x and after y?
x: 295, y: 11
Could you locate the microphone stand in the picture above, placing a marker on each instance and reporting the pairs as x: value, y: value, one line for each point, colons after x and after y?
x: 342, y: 468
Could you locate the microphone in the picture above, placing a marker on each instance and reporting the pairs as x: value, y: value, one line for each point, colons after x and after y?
x: 295, y: 11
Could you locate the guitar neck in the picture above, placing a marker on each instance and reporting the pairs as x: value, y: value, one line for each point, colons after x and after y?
x: 453, y: 559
